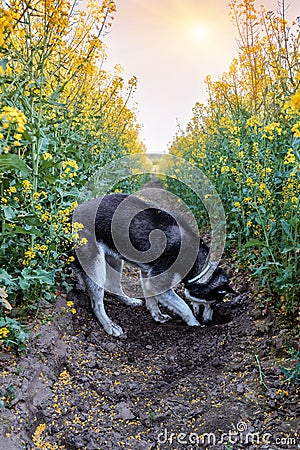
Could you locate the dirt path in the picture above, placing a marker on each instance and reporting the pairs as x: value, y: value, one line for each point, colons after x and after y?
x: 159, y: 387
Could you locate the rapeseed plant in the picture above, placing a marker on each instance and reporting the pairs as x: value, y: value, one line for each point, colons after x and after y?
x: 249, y: 129
x: 56, y: 104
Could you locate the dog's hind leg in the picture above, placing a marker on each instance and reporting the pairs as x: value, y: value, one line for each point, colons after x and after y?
x: 77, y: 273
x: 94, y: 282
x: 114, y: 278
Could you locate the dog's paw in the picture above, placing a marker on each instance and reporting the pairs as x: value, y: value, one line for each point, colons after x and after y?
x: 135, y: 302
x: 161, y: 318
x: 193, y: 322
x: 113, y: 329
x: 130, y: 301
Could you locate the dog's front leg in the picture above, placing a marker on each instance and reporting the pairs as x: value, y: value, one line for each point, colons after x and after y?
x: 153, y: 308
x: 178, y: 306
x: 151, y: 300
x: 207, y: 313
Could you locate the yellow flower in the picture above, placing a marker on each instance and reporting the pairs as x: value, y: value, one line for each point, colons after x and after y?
x: 70, y: 163
x: 6, y: 21
x: 295, y: 101
x: 38, y: 441
x: 45, y: 216
x: 262, y: 187
x: 78, y: 226
x: 290, y: 157
x: 270, y: 128
x: 29, y: 254
x: 12, y: 190
x: 10, y: 115
x: 237, y: 205
x: 64, y: 377
x: 41, y: 248
x: 47, y: 156
x: 253, y: 122
x: 225, y: 169
x: 296, y: 130
x: 70, y: 259
x: 27, y: 186
x: 73, y: 206
x: 3, y: 332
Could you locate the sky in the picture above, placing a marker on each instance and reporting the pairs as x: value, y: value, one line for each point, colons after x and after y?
x: 171, y: 46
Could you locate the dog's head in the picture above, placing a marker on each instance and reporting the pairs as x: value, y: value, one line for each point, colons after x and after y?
x: 209, y: 293
x: 212, y: 291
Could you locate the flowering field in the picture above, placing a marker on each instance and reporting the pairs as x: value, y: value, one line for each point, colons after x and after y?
x: 62, y: 116
x: 247, y: 140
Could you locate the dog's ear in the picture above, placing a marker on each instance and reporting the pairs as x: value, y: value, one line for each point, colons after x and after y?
x: 221, y: 283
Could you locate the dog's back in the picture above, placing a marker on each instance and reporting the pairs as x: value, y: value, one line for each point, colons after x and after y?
x: 125, y: 224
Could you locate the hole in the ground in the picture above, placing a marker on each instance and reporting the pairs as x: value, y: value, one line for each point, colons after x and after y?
x: 221, y: 315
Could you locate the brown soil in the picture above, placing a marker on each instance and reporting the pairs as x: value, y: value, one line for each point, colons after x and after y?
x: 141, y: 391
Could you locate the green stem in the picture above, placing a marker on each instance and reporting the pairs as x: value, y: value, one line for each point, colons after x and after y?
x: 261, y: 375
x: 267, y: 239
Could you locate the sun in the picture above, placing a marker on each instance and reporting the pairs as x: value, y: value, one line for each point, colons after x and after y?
x: 198, y: 32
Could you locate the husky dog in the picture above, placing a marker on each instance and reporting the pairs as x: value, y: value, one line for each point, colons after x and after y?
x: 122, y: 227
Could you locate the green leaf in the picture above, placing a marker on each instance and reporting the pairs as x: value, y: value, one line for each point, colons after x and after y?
x: 50, y: 179
x: 286, y: 229
x: 9, y: 213
x: 40, y: 275
x: 3, y: 63
x: 6, y: 279
x: 54, y: 103
x: 32, y: 220
x: 254, y: 243
x: 21, y: 230
x: 44, y: 276
x: 20, y: 333
x: 13, y: 162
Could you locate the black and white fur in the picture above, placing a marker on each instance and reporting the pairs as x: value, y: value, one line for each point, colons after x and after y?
x: 101, y: 253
